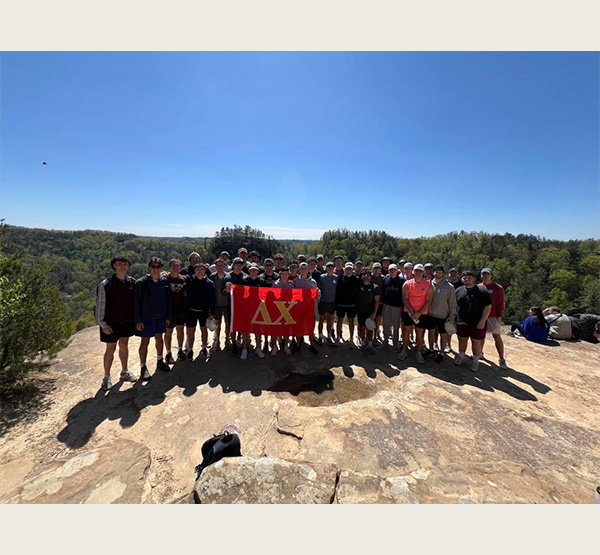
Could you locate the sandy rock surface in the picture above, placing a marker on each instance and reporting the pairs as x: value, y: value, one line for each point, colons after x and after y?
x: 396, y: 432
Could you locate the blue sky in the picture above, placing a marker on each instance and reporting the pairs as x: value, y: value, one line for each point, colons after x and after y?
x: 413, y: 143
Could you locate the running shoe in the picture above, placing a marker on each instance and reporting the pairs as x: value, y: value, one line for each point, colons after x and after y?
x: 106, y: 383
x: 128, y: 376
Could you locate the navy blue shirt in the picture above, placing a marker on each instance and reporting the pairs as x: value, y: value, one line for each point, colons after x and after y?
x: 392, y: 291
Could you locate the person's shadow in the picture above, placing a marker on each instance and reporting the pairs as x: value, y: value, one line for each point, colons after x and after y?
x: 295, y: 374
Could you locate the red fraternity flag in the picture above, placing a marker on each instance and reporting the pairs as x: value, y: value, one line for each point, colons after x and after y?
x: 273, y: 311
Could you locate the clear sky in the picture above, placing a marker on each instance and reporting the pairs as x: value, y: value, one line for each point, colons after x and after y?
x: 416, y: 144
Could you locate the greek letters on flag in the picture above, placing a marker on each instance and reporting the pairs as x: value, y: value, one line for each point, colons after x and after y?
x: 272, y: 311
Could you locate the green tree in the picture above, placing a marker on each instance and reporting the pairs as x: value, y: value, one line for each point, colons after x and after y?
x: 33, y: 322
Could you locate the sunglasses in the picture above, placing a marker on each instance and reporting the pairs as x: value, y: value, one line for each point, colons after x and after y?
x: 154, y: 267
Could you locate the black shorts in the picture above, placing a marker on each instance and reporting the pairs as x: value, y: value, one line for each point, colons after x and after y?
x: 223, y: 311
x: 425, y: 321
x: 379, y: 310
x: 126, y: 329
x: 177, y: 320
x: 196, y: 316
x: 349, y: 311
x: 326, y: 308
x: 362, y: 317
x: 439, y: 324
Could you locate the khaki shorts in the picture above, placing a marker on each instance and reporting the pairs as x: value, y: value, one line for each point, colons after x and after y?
x: 493, y: 326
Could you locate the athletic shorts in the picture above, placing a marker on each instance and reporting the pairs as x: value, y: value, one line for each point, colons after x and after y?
x: 193, y: 317
x: 349, y: 311
x: 152, y: 326
x: 425, y: 322
x: 362, y: 317
x: 223, y: 311
x: 438, y: 324
x: 463, y: 330
x: 126, y: 329
x: 177, y: 320
x: 493, y: 326
x: 326, y: 308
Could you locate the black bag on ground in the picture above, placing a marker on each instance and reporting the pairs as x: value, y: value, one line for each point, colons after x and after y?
x: 217, y: 447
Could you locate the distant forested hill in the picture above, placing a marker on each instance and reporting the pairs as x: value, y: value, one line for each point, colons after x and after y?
x: 534, y: 271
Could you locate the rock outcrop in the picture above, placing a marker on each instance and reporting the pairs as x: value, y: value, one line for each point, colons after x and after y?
x: 373, y: 429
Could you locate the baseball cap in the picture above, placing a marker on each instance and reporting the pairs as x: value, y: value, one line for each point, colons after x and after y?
x: 386, y: 258
x: 408, y: 265
x: 224, y: 252
x: 237, y: 260
x: 253, y: 266
x: 320, y: 257
x: 359, y: 262
x: 419, y: 267
x: 303, y: 265
x: 392, y: 267
x: 428, y: 265
x: 329, y: 264
x: 376, y: 265
x: 402, y: 261
x: 438, y: 267
x: 488, y: 270
x: 469, y: 273
x: 293, y: 264
x: 349, y: 265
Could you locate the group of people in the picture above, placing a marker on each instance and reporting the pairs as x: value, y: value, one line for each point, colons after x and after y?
x: 398, y: 301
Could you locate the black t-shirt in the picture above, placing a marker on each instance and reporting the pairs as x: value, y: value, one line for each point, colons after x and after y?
x: 316, y: 275
x: 456, y: 284
x: 258, y: 282
x: 365, y: 300
x: 177, y: 294
x: 237, y: 279
x: 269, y: 280
x: 471, y: 303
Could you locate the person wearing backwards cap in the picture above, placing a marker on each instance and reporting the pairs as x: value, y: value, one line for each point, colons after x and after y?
x: 474, y: 305
x: 417, y: 295
x: 495, y: 318
x: 345, y: 302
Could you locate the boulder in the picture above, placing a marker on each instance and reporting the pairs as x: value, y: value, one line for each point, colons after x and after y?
x: 265, y: 480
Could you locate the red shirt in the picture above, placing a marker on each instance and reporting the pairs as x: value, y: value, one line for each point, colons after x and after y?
x: 497, y: 292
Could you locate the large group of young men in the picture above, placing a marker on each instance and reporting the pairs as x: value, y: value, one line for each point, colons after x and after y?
x: 401, y: 300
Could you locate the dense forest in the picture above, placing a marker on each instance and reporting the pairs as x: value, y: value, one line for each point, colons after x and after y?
x: 534, y: 271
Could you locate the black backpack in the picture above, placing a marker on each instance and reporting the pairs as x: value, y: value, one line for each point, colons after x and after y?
x: 217, y: 447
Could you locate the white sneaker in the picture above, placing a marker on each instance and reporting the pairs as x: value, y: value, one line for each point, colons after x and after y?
x: 274, y: 351
x: 419, y: 358
x: 447, y: 348
x: 259, y: 352
x: 458, y: 361
x: 244, y: 354
x: 402, y: 355
x: 128, y: 376
x: 287, y: 351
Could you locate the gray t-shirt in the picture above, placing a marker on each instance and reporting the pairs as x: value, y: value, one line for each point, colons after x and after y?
x: 327, y: 285
x: 221, y: 298
x: 308, y: 283
x: 444, y: 300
